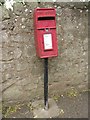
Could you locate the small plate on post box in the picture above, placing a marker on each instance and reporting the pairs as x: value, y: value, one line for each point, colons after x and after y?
x: 48, y: 41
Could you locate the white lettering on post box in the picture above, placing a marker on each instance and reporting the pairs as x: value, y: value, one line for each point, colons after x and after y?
x: 47, y: 41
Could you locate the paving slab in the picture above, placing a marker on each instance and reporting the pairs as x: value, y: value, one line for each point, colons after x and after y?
x: 40, y: 112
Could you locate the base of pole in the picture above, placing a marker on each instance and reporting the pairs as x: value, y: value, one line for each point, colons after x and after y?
x: 46, y: 107
x: 40, y: 112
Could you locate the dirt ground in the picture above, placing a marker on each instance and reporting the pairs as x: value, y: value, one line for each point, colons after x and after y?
x: 71, y: 105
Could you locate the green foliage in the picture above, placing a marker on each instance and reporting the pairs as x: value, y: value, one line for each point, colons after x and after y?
x: 72, y: 93
x: 56, y: 97
x: 29, y: 105
x: 9, y: 110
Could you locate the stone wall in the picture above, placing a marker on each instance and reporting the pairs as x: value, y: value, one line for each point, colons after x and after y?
x: 22, y: 70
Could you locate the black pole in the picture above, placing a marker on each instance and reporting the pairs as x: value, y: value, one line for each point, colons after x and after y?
x: 46, y: 83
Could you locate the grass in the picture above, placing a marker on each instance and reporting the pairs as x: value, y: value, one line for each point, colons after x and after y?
x: 6, y: 111
x: 72, y: 93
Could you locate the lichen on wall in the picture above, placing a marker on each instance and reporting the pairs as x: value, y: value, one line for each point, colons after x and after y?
x: 22, y: 70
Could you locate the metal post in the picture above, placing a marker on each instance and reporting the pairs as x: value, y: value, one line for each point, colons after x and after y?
x: 46, y: 83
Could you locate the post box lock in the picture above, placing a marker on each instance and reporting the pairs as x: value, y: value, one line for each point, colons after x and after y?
x: 45, y: 32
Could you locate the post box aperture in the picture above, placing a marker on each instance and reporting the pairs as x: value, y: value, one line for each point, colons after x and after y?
x: 45, y: 32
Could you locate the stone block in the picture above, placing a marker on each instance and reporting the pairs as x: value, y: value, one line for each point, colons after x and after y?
x: 12, y: 93
x: 18, y: 8
x: 17, y: 53
x: 5, y: 14
x: 21, y: 65
x: 7, y: 54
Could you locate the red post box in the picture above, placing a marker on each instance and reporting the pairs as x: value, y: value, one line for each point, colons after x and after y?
x: 45, y: 32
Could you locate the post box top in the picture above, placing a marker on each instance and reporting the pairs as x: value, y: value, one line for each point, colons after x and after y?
x: 37, y: 9
x: 41, y: 12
